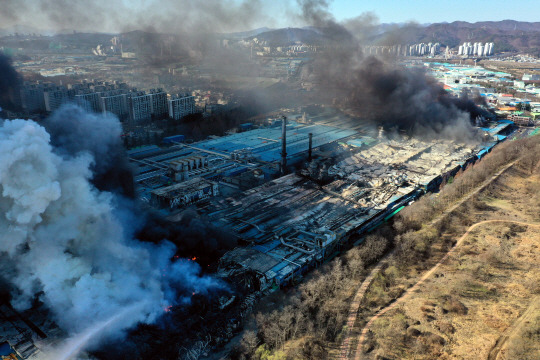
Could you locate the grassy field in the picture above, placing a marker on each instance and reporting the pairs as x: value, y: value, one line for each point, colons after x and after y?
x: 482, y: 302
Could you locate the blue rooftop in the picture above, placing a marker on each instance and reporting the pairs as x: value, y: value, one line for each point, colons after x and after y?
x: 265, y: 143
x: 503, y: 124
x: 6, y: 350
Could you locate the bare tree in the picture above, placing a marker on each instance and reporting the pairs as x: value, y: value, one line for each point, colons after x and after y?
x: 197, y: 350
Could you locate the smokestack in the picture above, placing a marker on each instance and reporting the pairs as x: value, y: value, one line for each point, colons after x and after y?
x: 283, y: 144
x: 310, y: 146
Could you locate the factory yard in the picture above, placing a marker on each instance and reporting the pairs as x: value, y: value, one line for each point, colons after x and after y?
x: 482, y: 301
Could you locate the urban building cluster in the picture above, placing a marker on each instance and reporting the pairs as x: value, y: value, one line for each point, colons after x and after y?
x: 529, y: 83
x: 181, y: 105
x: 424, y: 49
x: 128, y: 104
x: 382, y: 50
x: 263, y: 48
x: 517, y: 58
x: 530, y: 77
x: 431, y: 49
x: 472, y: 81
x: 211, y: 102
x: 476, y: 49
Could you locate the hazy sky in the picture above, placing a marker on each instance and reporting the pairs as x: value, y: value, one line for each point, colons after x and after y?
x: 429, y: 11
x: 235, y: 15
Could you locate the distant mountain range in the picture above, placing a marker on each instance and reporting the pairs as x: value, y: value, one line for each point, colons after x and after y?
x: 30, y: 30
x: 246, y: 34
x: 307, y: 35
x: 508, y: 35
x: 21, y: 29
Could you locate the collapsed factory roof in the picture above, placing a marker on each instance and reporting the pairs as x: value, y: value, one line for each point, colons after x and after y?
x: 297, y: 221
x: 184, y: 193
x: 418, y: 161
x: 293, y: 223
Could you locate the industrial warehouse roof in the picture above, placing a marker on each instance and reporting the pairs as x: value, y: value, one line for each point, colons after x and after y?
x: 151, y: 163
x: 252, y: 259
x: 183, y: 187
x: 370, y: 185
x: 265, y: 143
x: 501, y: 125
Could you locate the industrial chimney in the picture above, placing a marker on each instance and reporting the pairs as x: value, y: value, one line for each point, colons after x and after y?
x: 283, y: 144
x: 310, y: 146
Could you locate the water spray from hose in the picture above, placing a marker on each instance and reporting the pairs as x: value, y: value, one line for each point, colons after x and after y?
x: 74, y: 345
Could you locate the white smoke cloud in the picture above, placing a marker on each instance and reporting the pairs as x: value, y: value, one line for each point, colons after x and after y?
x: 25, y: 196
x: 67, y: 243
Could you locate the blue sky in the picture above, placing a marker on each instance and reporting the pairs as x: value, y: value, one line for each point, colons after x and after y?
x: 429, y: 11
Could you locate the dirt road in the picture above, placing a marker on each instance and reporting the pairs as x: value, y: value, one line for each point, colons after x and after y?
x: 513, y: 329
x: 355, y: 305
x: 353, y: 309
x: 406, y: 294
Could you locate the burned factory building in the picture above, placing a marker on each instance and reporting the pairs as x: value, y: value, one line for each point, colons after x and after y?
x: 347, y: 178
x: 184, y: 193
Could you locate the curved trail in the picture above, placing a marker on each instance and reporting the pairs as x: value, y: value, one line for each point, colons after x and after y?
x: 512, y: 330
x: 355, y: 305
x: 409, y: 291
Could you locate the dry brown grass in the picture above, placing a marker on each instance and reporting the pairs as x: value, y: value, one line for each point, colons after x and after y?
x: 480, y: 292
x: 525, y: 343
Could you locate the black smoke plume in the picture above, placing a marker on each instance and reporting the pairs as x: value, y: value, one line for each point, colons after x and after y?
x: 159, y: 32
x: 166, y: 16
x: 397, y: 98
x: 193, y: 235
x: 383, y: 91
x: 9, y: 84
x: 98, y: 135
